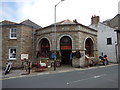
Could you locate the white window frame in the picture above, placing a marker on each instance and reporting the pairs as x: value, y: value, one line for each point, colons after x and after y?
x: 11, y: 54
x: 13, y: 34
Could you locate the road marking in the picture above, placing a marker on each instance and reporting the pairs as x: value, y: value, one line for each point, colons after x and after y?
x: 6, y: 78
x: 98, y: 76
x: 78, y: 80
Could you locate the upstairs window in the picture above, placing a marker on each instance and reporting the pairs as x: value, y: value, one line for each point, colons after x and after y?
x: 13, y: 33
x: 109, y: 41
x: 12, y: 53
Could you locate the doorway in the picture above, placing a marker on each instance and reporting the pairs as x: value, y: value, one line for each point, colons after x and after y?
x: 66, y: 49
x: 65, y: 57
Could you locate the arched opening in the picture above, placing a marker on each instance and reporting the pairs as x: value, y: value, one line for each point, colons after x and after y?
x: 89, y: 47
x: 66, y: 49
x: 44, y: 48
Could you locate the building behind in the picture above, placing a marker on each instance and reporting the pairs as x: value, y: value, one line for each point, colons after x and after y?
x: 115, y: 23
x: 0, y: 47
x: 108, y: 41
x: 17, y: 39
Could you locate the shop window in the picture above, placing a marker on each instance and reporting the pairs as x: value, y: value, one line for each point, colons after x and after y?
x: 89, y: 47
x: 44, y: 48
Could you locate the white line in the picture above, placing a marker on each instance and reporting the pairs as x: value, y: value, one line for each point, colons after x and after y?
x: 85, y: 79
x: 78, y: 80
x: 99, y: 76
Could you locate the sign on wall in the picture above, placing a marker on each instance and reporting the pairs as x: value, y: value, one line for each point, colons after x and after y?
x: 24, y: 56
x: 65, y: 47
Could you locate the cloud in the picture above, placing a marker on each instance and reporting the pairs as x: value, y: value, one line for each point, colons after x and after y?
x: 42, y: 11
x: 9, y: 11
x: 17, y: 0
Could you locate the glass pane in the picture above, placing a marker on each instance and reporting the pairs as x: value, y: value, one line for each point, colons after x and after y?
x: 66, y: 41
x: 13, y: 53
x: 14, y: 30
x: 12, y: 35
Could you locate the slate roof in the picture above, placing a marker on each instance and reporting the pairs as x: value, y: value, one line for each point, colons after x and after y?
x: 5, y: 22
x: 30, y: 23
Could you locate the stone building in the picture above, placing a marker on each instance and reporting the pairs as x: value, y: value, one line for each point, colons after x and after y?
x: 114, y: 22
x: 108, y: 41
x: 71, y: 37
x: 17, y: 39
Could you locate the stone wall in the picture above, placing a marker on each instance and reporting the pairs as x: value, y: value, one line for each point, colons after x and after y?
x: 23, y: 43
x: 78, y: 35
x: 9, y: 43
x: 27, y: 41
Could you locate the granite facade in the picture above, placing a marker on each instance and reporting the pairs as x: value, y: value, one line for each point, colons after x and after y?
x: 76, y: 32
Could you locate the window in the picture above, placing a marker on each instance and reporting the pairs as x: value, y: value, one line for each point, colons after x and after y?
x: 89, y: 47
x: 13, y: 33
x: 109, y: 41
x: 65, y: 43
x: 44, y: 48
x: 12, y: 53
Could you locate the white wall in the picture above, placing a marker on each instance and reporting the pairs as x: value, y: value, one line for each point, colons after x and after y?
x: 105, y: 32
x: 0, y: 44
x: 0, y: 57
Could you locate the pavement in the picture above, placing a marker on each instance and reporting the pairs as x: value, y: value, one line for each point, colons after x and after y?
x: 22, y: 73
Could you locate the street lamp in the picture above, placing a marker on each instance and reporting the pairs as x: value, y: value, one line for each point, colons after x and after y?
x: 55, y: 48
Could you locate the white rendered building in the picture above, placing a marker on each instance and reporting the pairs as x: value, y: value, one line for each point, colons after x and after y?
x: 107, y: 39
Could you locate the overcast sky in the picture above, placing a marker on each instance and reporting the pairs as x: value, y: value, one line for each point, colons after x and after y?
x: 42, y: 11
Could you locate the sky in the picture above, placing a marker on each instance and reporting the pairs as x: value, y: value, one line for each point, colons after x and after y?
x: 42, y: 11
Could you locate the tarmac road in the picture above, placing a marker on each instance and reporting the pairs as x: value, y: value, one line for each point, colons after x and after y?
x: 106, y: 77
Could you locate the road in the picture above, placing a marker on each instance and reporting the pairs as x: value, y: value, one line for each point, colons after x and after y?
x: 105, y: 77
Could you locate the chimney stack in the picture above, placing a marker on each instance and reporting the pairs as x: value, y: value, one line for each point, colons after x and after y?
x: 95, y: 19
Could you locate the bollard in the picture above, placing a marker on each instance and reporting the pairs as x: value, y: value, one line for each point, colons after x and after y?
x: 29, y: 67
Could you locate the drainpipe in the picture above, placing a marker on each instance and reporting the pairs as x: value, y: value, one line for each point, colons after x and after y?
x: 116, y: 47
x: 116, y: 50
x: 33, y: 56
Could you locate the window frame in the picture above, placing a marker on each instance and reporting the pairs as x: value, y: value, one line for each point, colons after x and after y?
x: 109, y: 41
x: 12, y: 53
x: 13, y: 34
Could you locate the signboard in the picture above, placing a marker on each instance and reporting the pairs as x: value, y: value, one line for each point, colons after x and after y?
x: 65, y: 47
x: 24, y: 56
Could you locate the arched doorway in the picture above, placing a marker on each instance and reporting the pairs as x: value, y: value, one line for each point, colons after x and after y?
x: 66, y: 49
x: 44, y: 48
x: 89, y: 47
